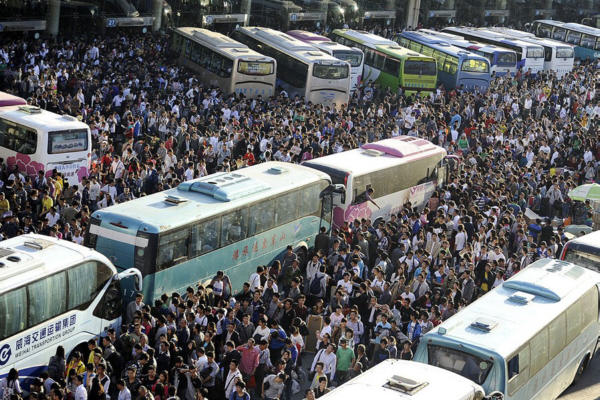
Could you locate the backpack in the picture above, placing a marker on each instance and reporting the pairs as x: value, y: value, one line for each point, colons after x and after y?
x: 315, y: 285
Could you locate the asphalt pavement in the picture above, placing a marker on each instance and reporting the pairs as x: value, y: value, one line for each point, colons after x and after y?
x: 588, y: 387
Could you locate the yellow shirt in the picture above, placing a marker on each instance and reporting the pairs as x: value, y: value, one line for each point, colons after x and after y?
x: 4, y: 205
x: 79, y: 368
x: 47, y: 203
x: 58, y: 186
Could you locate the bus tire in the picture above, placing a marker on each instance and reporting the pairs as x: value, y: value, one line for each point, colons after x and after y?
x: 581, y: 368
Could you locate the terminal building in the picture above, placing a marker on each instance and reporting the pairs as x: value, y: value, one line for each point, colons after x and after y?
x: 73, y: 16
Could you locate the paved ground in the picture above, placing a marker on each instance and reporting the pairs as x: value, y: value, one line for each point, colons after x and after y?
x: 588, y: 387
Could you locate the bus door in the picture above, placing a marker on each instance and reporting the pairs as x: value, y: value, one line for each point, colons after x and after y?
x: 449, y: 165
x: 331, y: 195
x: 112, y: 306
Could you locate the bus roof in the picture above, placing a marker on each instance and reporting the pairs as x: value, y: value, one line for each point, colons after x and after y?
x: 461, y: 42
x: 363, y: 37
x: 379, y: 155
x: 26, y: 258
x: 589, y: 243
x: 307, y: 36
x: 440, y: 44
x: 530, y: 37
x: 397, y: 51
x: 212, y: 195
x: 525, y: 303
x: 292, y: 46
x: 7, y: 100
x: 400, y: 379
x: 221, y: 43
x: 40, y: 119
x: 484, y: 33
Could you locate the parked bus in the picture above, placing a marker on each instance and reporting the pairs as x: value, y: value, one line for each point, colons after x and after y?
x: 388, y: 64
x: 528, y: 338
x: 233, y: 221
x: 406, y: 380
x: 302, y: 70
x: 351, y: 55
x: 502, y: 60
x: 34, y: 140
x: 223, y: 62
x: 583, y: 251
x: 7, y: 100
x: 53, y: 292
x: 529, y: 56
x: 558, y: 56
x: 457, y: 68
x: 399, y: 170
x: 586, y: 39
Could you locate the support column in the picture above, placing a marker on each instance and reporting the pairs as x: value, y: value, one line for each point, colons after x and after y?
x: 245, y: 9
x: 412, y: 16
x: 157, y: 12
x: 53, y: 17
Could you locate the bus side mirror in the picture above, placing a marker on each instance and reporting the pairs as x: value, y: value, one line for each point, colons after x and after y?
x: 341, y: 190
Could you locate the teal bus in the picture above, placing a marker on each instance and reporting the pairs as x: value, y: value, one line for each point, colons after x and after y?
x: 229, y: 221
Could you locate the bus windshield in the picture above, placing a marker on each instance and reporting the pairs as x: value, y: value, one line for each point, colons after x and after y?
x: 330, y: 71
x: 475, y: 66
x: 354, y: 58
x: 67, y: 141
x: 468, y: 365
x: 420, y: 67
x: 535, y: 52
x: 507, y: 59
x: 564, y: 52
x: 255, y: 67
x: 586, y: 260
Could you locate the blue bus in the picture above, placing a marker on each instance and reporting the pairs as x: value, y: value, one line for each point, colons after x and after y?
x: 528, y: 338
x: 586, y: 39
x: 232, y: 221
x: 502, y: 60
x: 530, y: 56
x: 456, y: 67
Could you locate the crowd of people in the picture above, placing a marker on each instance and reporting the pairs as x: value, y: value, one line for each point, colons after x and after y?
x: 372, y: 290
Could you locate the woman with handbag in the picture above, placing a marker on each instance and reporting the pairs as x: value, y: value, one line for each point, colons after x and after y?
x: 10, y: 385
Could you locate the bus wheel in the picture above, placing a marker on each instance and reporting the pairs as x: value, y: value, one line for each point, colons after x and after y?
x: 83, y: 349
x: 582, y: 366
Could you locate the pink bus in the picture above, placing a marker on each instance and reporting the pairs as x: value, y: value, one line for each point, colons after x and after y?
x: 7, y: 100
x: 351, y: 55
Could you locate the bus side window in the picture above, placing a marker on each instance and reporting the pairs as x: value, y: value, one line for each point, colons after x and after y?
x: 518, y: 370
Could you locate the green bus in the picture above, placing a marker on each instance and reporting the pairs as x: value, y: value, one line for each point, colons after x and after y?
x: 390, y: 65
x: 229, y: 221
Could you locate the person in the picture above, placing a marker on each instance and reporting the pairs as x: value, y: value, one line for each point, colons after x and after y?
x: 9, y: 385
x: 233, y: 377
x: 76, y: 364
x: 272, y: 387
x: 133, y: 306
x: 97, y: 390
x: 345, y: 358
x: 57, y: 365
x: 322, y: 389
x: 80, y: 391
x: 240, y: 392
x: 124, y: 393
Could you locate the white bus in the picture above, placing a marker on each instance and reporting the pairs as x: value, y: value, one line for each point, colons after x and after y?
x: 352, y: 55
x: 302, y: 70
x: 529, y: 338
x: 502, y: 60
x: 221, y: 61
x: 530, y: 56
x: 558, y: 56
x: 53, y: 292
x: 38, y: 140
x: 583, y: 251
x: 407, y: 380
x: 399, y: 170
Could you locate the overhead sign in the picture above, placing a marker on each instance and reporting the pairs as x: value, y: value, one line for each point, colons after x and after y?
x: 496, y: 13
x: 307, y: 16
x: 380, y: 14
x: 22, y: 26
x: 124, y: 22
x: 224, y: 19
x: 442, y: 14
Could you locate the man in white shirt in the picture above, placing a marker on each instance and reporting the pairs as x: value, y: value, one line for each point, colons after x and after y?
x: 189, y: 172
x: 329, y: 360
x: 80, y: 392
x: 233, y: 377
x: 124, y: 393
